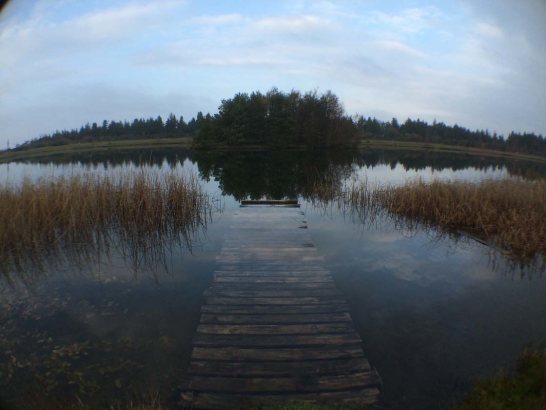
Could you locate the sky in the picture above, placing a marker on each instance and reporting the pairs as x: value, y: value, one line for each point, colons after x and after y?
x: 478, y: 63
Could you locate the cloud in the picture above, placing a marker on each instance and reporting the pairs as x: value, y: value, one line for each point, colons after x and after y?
x: 489, y: 30
x: 397, y: 47
x: 42, y: 37
x: 294, y: 24
x: 235, y: 61
x: 412, y: 20
x: 219, y: 19
x: 96, y: 102
x: 480, y: 64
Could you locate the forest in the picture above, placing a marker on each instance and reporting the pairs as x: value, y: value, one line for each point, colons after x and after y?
x: 279, y: 119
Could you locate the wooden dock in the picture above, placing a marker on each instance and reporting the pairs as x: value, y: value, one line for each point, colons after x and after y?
x: 274, y: 327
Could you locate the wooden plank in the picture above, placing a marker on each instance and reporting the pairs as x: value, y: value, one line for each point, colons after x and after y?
x: 234, y: 309
x: 294, y: 257
x: 272, y: 260
x: 286, y: 257
x: 282, y: 385
x: 269, y: 267
x: 319, y: 339
x: 252, y: 248
x: 313, y: 273
x: 354, y: 397
x: 280, y: 247
x: 274, y: 326
x: 272, y: 329
x: 272, y: 280
x: 275, y: 293
x: 277, y: 369
x: 241, y: 354
x: 302, y: 238
x: 269, y: 202
x: 275, y: 286
x: 215, y: 300
x: 208, y: 318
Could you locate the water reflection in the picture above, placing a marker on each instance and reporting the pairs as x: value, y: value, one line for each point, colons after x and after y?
x: 432, y: 312
x: 79, y: 220
x: 272, y: 169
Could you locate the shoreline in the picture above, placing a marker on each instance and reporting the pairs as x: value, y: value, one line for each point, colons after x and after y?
x: 187, y: 143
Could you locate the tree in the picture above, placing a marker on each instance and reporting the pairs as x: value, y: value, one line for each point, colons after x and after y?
x: 171, y: 123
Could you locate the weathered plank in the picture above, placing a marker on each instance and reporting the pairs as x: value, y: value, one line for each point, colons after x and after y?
x: 269, y: 202
x: 290, y: 271
x: 275, y: 293
x: 220, y: 286
x: 235, y: 309
x: 274, y: 326
x: 268, y: 267
x: 357, y: 397
x: 274, y: 329
x: 241, y: 354
x: 276, y: 319
x: 319, y: 339
x: 260, y: 280
x: 283, y: 385
x: 217, y: 300
x: 278, y: 369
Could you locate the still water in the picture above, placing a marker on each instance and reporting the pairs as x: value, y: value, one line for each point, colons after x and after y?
x: 435, y: 313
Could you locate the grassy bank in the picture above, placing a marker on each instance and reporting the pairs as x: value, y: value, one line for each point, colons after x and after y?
x: 80, y: 215
x: 187, y: 142
x: 524, y: 389
x: 29, y: 154
x: 455, y: 149
x: 509, y: 214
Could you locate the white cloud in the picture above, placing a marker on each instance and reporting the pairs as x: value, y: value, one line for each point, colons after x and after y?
x: 121, y: 21
x: 477, y: 68
x: 219, y: 19
x: 294, y: 23
x: 489, y: 30
x: 397, y: 47
x: 40, y: 37
x: 412, y: 20
x: 239, y: 61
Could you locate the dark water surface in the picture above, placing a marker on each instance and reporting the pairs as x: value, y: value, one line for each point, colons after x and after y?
x: 434, y: 312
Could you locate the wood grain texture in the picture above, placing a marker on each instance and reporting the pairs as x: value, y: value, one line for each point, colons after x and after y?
x: 274, y: 327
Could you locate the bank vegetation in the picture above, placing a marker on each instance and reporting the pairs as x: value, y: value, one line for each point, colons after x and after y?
x: 508, y: 214
x: 82, y: 215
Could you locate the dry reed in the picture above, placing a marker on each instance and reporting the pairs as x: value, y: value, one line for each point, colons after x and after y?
x: 510, y: 214
x: 83, y: 215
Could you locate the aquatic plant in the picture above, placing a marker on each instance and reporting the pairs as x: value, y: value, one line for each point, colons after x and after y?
x: 525, y: 388
x: 81, y: 216
x: 510, y: 214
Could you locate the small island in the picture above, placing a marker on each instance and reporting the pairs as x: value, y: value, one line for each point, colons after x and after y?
x: 281, y: 120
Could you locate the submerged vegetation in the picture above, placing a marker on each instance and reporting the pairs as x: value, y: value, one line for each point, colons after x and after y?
x: 510, y: 214
x: 84, y: 215
x: 524, y: 389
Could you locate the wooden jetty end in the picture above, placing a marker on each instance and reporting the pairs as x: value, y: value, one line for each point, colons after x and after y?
x: 274, y: 328
x: 287, y: 202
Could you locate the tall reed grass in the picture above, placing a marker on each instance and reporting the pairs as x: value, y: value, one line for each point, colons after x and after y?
x: 510, y: 214
x: 81, y: 216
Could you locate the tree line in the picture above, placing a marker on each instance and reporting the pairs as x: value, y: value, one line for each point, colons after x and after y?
x: 438, y: 132
x: 280, y: 119
x: 139, y: 128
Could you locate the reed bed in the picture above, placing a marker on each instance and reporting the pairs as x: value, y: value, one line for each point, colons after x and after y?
x: 510, y: 214
x: 85, y: 215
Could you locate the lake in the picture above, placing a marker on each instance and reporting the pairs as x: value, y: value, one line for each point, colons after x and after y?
x: 435, y: 312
